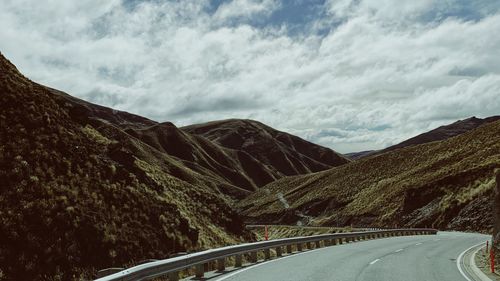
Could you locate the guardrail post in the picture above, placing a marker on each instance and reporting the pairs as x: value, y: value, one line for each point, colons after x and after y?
x: 309, y: 245
x: 278, y: 251
x: 253, y: 257
x: 221, y: 264
x: 200, y: 270
x: 289, y: 249
x: 299, y: 247
x: 326, y: 242
x: 267, y: 254
x: 334, y: 242
x: 238, y: 261
x: 341, y: 241
x: 173, y: 276
x: 318, y: 244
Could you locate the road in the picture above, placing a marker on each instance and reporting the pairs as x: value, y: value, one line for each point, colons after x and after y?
x: 409, y: 258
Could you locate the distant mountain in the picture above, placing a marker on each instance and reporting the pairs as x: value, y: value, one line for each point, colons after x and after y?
x: 359, y: 155
x: 277, y: 153
x: 441, y: 133
x: 444, y: 132
x: 447, y: 184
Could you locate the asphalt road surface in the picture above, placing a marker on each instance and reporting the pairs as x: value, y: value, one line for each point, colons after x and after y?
x: 408, y: 258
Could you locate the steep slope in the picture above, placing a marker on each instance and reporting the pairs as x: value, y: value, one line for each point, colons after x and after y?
x: 205, y: 157
x: 281, y: 153
x: 78, y: 193
x: 446, y: 184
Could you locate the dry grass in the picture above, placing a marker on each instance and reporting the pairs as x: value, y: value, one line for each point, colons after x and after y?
x: 284, y: 231
x: 395, y: 188
x: 79, y: 194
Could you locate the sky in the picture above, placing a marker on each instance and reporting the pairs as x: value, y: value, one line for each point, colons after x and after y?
x: 351, y: 75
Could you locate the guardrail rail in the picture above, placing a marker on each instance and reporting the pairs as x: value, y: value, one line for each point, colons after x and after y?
x: 172, y: 266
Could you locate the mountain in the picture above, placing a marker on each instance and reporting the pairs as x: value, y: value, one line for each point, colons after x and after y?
x: 441, y: 133
x: 445, y: 184
x: 236, y: 170
x: 80, y: 193
x: 277, y: 153
x: 444, y: 132
x: 360, y: 154
x: 86, y: 187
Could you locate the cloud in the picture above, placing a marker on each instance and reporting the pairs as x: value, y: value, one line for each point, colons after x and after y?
x: 358, y: 75
x: 245, y: 9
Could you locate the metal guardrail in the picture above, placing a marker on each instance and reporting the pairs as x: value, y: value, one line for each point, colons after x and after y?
x: 173, y: 266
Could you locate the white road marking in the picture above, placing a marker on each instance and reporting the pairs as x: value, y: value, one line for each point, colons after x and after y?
x: 459, y: 261
x: 374, y: 261
x: 418, y: 244
x: 397, y: 251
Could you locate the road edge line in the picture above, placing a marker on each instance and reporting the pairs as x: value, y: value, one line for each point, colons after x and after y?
x: 476, y: 269
x: 460, y: 259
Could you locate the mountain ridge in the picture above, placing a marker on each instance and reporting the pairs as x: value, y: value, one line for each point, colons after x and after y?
x: 440, y: 133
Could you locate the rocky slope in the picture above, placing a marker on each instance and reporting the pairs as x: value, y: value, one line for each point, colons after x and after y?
x: 444, y: 184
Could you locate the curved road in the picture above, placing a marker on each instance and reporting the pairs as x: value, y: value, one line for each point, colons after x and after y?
x: 409, y: 258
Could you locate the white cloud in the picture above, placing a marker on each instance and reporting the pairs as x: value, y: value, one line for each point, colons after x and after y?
x: 245, y: 9
x: 385, y: 72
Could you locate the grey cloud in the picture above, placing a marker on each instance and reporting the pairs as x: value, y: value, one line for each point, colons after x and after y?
x: 385, y: 70
x: 226, y: 104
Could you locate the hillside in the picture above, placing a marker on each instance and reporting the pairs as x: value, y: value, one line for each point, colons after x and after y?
x: 441, y: 133
x: 445, y: 184
x: 235, y: 170
x: 79, y: 193
x: 444, y: 132
x: 279, y: 154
